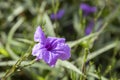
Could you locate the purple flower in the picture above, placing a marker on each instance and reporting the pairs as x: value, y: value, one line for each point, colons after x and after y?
x: 87, y: 9
x: 50, y: 49
x: 58, y: 15
x: 89, y: 28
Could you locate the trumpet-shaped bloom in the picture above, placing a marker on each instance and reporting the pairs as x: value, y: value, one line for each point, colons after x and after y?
x: 87, y: 9
x: 50, y: 49
x: 57, y: 15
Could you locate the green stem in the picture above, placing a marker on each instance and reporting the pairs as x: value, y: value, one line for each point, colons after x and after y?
x: 14, y: 67
x: 84, y: 64
x: 32, y: 62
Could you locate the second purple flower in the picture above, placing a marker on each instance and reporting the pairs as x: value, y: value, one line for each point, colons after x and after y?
x: 57, y: 15
x: 87, y: 9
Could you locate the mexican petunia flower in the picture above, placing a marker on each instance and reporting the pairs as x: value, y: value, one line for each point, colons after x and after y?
x: 50, y: 49
x: 57, y: 15
x: 89, y: 27
x: 87, y: 9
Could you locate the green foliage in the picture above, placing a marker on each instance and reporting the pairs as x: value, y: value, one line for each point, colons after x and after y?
x: 93, y: 56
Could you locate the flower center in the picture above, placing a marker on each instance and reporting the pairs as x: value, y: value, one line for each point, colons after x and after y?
x: 48, y: 47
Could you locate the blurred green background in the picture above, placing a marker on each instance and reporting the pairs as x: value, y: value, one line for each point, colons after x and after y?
x: 19, y: 19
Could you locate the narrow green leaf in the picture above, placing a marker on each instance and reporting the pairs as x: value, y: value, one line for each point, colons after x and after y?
x: 48, y: 26
x: 102, y: 50
x: 70, y: 66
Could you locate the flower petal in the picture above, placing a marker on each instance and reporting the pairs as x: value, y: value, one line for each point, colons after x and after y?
x: 50, y: 58
x: 89, y: 27
x: 39, y: 35
x: 93, y: 9
x: 53, y: 41
x: 63, y: 50
x: 53, y: 16
x: 57, y: 15
x: 87, y: 9
x: 41, y: 53
x: 38, y: 50
x: 60, y: 13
